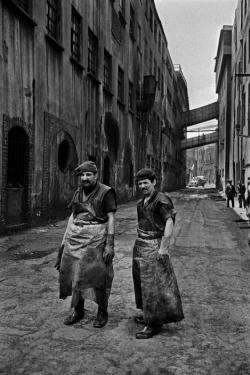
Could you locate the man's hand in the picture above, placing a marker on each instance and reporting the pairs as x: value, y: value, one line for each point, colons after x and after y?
x: 109, y: 252
x: 59, y: 258
x: 164, y: 248
x: 163, y: 258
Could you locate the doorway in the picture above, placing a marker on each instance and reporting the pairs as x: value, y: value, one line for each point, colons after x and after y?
x: 17, y: 176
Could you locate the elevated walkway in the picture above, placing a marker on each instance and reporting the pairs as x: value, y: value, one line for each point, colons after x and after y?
x: 199, y: 115
x: 201, y: 140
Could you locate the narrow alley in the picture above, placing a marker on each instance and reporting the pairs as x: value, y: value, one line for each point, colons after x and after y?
x: 211, y: 259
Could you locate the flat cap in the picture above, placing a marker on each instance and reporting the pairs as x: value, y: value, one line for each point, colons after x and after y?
x: 145, y: 173
x: 87, y: 166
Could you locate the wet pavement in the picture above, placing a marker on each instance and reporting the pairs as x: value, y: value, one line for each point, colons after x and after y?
x: 211, y: 259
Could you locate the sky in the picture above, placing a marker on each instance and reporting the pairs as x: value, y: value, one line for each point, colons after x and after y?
x: 192, y: 28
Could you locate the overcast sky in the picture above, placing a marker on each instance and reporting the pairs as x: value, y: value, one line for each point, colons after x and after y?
x: 192, y: 28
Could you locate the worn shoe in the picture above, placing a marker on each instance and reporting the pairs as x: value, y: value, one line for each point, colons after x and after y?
x: 75, y: 317
x: 139, y: 319
x: 146, y: 333
x: 101, y: 318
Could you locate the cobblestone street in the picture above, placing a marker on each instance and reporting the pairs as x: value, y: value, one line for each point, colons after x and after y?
x: 211, y: 259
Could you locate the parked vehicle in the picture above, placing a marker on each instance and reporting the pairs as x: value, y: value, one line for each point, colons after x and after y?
x: 197, y: 181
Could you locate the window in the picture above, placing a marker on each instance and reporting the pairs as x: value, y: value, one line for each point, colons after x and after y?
x: 163, y: 51
x: 249, y: 45
x: 76, y: 31
x: 151, y: 19
x: 249, y: 109
x: 159, y: 42
x: 92, y: 52
x: 245, y: 58
x: 53, y: 18
x: 107, y: 73
x: 130, y: 95
x: 155, y: 31
x: 116, y: 26
x: 243, y: 108
x: 139, y: 36
x: 241, y: 14
x: 120, y: 85
x: 132, y: 22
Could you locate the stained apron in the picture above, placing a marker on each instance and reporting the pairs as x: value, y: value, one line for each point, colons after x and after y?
x: 83, y: 272
x: 155, y: 284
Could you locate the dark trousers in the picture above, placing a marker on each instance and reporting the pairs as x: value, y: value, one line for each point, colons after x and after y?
x: 242, y: 200
x: 230, y: 199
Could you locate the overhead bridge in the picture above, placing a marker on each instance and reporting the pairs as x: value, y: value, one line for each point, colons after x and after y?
x: 199, y: 115
x: 201, y: 140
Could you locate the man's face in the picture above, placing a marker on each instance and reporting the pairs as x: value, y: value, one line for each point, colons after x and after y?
x: 146, y: 186
x: 88, y: 179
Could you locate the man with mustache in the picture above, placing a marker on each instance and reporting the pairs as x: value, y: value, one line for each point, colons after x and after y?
x: 155, y: 285
x: 87, y: 250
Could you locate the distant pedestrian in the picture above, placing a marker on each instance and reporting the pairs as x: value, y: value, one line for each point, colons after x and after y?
x: 155, y: 285
x: 241, y: 189
x: 230, y: 193
x: 248, y: 207
x: 85, y: 256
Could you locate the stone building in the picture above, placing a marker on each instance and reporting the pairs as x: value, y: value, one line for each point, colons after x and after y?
x: 83, y: 80
x: 206, y: 162
x: 240, y: 124
x: 223, y: 68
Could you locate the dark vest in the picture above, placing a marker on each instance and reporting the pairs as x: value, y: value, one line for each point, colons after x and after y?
x: 149, y: 218
x: 92, y: 208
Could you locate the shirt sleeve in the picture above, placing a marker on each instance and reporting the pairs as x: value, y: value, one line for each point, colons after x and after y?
x: 166, y: 210
x: 109, y: 201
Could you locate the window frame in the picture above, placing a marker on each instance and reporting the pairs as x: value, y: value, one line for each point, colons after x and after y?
x: 130, y: 95
x: 53, y: 15
x: 120, y: 84
x: 107, y: 70
x: 92, y: 53
x: 76, y: 31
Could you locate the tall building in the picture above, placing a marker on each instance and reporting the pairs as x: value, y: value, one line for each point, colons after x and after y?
x: 240, y: 129
x: 223, y: 68
x: 83, y: 80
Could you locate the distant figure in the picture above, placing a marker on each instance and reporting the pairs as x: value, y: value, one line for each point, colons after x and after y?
x: 241, y: 194
x: 230, y: 193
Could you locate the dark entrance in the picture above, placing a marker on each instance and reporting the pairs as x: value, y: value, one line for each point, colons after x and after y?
x: 17, y: 176
x: 106, y: 171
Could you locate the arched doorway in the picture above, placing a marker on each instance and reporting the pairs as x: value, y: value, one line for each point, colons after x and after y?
x: 17, y: 176
x: 106, y: 171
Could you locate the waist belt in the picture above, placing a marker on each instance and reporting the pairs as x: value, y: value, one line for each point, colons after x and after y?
x: 149, y: 235
x: 83, y: 223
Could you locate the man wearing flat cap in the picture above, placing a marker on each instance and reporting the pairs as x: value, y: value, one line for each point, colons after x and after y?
x: 87, y: 250
x: 155, y: 285
x: 230, y: 192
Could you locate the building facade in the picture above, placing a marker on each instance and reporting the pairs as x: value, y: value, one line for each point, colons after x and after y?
x: 84, y: 80
x: 223, y: 68
x: 206, y: 162
x: 240, y: 125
